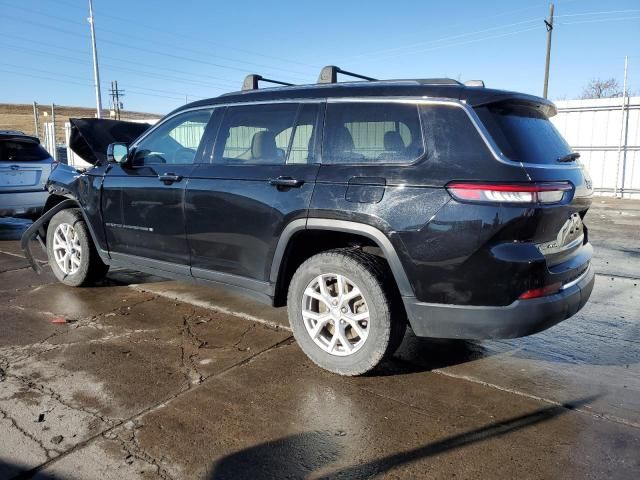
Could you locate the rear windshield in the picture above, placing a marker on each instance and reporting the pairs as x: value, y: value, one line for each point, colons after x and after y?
x: 21, y: 151
x: 523, y: 133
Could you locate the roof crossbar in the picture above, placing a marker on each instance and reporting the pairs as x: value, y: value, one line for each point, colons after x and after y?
x: 251, y: 82
x: 329, y: 74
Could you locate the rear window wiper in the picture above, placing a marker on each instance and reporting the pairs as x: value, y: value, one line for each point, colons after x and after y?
x: 569, y: 157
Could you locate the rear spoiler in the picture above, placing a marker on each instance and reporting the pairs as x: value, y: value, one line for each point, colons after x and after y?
x: 90, y: 137
x: 496, y: 97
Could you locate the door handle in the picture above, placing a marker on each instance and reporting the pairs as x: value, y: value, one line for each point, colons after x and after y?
x: 169, y: 178
x: 286, y: 182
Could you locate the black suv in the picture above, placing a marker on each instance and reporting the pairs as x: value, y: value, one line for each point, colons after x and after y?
x: 363, y: 206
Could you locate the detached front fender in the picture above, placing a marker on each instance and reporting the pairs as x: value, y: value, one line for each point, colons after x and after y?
x: 34, y: 231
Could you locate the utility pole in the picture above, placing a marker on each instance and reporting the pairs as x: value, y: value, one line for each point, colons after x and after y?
x: 96, y: 72
x: 116, y: 94
x: 549, y: 24
x: 35, y: 119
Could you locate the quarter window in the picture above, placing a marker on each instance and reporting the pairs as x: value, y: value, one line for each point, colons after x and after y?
x: 383, y: 132
x: 176, y: 141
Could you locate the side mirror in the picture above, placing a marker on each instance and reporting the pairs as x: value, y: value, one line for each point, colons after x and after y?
x: 117, y: 152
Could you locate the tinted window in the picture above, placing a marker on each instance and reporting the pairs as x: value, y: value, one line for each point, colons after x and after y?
x: 524, y: 134
x: 450, y: 137
x: 256, y: 134
x: 383, y: 132
x: 301, y: 149
x: 21, y: 151
x: 176, y: 141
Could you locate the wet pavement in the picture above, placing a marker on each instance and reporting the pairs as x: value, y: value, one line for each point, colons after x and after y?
x: 150, y: 378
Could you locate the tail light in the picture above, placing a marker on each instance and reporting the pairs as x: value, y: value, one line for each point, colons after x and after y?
x: 528, y: 193
x: 542, y: 291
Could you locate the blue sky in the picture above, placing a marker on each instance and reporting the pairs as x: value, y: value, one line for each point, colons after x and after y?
x: 163, y: 53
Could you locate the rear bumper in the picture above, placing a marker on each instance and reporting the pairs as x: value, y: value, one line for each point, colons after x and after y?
x: 22, y: 203
x: 521, y: 318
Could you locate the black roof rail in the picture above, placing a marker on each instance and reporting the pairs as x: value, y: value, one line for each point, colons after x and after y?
x: 251, y: 82
x: 329, y: 74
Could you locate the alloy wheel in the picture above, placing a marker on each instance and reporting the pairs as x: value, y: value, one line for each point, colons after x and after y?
x: 67, y: 250
x: 335, y: 314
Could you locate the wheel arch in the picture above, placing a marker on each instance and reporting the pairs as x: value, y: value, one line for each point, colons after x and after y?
x: 355, y: 230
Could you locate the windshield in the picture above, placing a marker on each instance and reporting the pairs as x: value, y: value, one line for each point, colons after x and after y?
x: 21, y: 151
x: 523, y: 133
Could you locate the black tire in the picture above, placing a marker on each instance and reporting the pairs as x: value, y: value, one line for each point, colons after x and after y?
x: 91, y: 267
x: 387, y: 320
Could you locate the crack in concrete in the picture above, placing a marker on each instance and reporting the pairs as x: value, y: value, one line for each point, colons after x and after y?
x: 131, y: 446
x: 22, y: 431
x: 134, y: 417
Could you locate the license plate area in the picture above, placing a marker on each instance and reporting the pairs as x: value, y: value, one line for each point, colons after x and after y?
x: 18, y: 178
x: 571, y: 235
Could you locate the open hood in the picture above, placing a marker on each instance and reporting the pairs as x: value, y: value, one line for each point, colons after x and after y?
x: 90, y: 137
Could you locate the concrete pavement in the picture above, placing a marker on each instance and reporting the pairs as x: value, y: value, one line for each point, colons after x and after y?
x: 150, y: 378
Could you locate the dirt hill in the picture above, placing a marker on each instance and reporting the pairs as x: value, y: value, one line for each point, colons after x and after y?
x: 20, y: 117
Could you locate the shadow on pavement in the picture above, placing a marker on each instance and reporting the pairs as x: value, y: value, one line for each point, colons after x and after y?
x: 18, y: 472
x: 298, y: 456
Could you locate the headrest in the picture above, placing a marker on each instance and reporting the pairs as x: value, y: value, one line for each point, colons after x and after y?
x: 343, y: 141
x: 393, y: 142
x: 263, y: 145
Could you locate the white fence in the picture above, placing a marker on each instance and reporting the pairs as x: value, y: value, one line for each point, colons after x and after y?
x: 607, y: 139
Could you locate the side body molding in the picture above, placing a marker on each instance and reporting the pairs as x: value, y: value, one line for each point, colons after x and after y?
x: 348, y: 227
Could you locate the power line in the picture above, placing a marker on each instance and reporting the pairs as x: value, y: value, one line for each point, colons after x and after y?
x: 198, y: 61
x: 142, y: 91
x: 599, y: 20
x: 137, y: 71
x: 228, y: 82
x: 633, y: 10
x: 450, y: 37
x: 143, y: 39
x: 465, y: 42
x: 154, y: 28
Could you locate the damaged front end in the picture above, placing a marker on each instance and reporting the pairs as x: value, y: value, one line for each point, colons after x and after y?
x: 69, y: 187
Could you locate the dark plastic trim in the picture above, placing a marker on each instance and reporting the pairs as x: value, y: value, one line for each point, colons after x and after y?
x: 521, y: 318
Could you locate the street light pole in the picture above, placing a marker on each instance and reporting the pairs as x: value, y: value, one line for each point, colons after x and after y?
x: 96, y: 72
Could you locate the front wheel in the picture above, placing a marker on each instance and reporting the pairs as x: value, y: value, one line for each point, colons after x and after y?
x: 343, y: 311
x: 72, y: 255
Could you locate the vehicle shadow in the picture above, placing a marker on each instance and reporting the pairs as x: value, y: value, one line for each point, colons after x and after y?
x: 417, y: 354
x: 18, y: 472
x: 298, y: 456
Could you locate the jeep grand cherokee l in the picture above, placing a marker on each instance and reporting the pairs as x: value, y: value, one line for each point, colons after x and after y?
x: 363, y: 206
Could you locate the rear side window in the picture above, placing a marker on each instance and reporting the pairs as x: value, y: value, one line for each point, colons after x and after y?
x: 256, y: 134
x: 21, y: 151
x: 523, y: 133
x: 371, y: 133
x: 450, y: 137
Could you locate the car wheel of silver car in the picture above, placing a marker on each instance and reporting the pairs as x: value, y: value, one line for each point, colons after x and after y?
x: 344, y: 312
x: 72, y: 255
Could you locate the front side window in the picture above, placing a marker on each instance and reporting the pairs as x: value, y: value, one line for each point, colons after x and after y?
x: 176, y: 141
x: 256, y: 134
x: 372, y: 133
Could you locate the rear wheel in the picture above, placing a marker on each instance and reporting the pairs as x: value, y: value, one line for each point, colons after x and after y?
x: 72, y: 255
x: 344, y: 312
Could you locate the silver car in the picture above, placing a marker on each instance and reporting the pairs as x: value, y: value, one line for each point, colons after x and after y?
x: 24, y: 169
